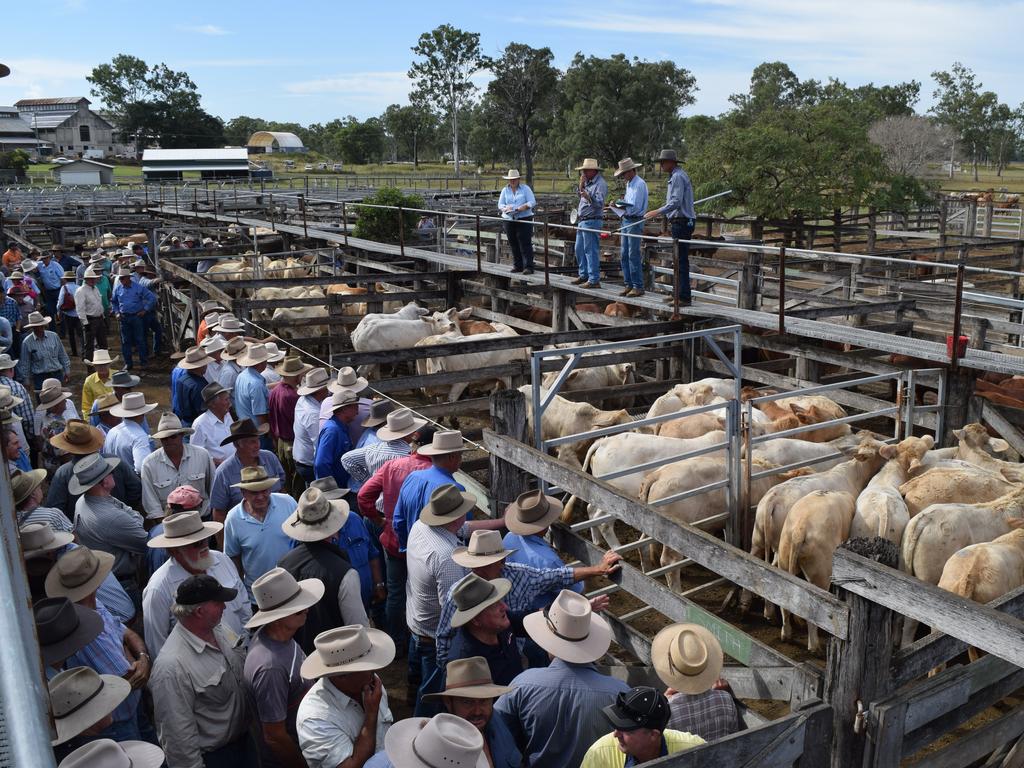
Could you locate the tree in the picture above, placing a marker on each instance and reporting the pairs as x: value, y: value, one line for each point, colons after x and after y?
x: 382, y: 224
x: 615, y: 107
x: 524, y: 87
x: 962, y: 106
x: 238, y: 129
x: 449, y: 58
x: 1006, y: 132
x: 16, y: 160
x: 910, y: 142
x: 491, y: 138
x: 411, y: 128
x: 359, y: 143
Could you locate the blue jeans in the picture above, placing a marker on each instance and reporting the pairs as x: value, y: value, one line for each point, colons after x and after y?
x: 133, y: 337
x: 588, y: 254
x: 39, y: 378
x: 424, y: 657
x: 394, y: 606
x: 682, y: 230
x: 632, y: 261
x: 152, y: 323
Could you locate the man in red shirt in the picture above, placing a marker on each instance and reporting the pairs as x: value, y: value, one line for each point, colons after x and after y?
x: 281, y: 407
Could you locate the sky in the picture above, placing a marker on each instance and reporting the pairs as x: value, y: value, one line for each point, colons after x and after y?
x: 309, y: 61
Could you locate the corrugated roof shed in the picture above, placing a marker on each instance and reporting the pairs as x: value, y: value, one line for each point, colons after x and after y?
x: 46, y: 121
x: 184, y: 155
x: 69, y: 100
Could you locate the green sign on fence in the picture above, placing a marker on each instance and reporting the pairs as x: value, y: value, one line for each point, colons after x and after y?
x: 735, y: 643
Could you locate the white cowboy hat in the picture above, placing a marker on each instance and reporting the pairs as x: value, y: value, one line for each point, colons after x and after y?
x: 107, y: 753
x: 6, y: 362
x: 228, y: 323
x: 419, y: 742
x: 274, y: 353
x: 314, y: 380
x: 347, y: 379
x: 348, y: 649
x: 254, y: 355
x: 79, y: 698
x: 182, y: 529
x: 92, y: 274
x: 473, y: 595
x: 627, y: 164
x: 532, y: 512
x: 513, y: 173
x: 316, y: 517
x: 78, y: 573
x: 36, y: 319
x: 278, y: 594
x: 485, y: 548
x: 469, y: 678
x: 51, y: 394
x: 170, y: 425
x: 445, y: 441
x: 195, y: 357
x: 569, y: 630
x: 589, y: 164
x: 102, y: 357
x: 213, y: 344
x: 399, y: 424
x: 687, y: 657
x: 447, y: 504
x: 132, y: 404
x: 39, y: 538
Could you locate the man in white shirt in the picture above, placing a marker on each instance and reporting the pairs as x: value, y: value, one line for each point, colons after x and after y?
x: 312, y: 392
x: 213, y: 346
x: 89, y: 306
x: 129, y: 441
x: 174, y: 464
x: 213, y: 425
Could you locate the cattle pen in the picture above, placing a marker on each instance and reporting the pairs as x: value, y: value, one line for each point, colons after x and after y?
x: 878, y: 331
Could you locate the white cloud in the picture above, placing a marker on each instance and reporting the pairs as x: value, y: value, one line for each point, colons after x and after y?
x: 44, y: 78
x: 211, y: 30
x: 385, y: 87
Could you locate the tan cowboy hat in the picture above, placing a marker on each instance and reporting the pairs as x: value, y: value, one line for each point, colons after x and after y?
x: 69, y: 275
x: 314, y: 380
x: 125, y: 273
x: 105, y: 403
x: 79, y: 698
x: 89, y: 470
x: 79, y: 437
x: 102, y: 357
x: 353, y: 648
x: 64, y: 628
x: 7, y: 362
x: 132, y: 404
x: 213, y: 344
x: 8, y: 400
x: 328, y: 486
x: 211, y: 321
x: 627, y: 164
x: 399, y: 424
x: 274, y: 353
x: 469, y: 678
x: 92, y: 274
x: 195, y: 357
x: 39, y: 538
x: 229, y: 324
x: 293, y: 366
x: 589, y: 164
x: 513, y: 173
x: 532, y: 512
x: 347, y: 379
x: 447, y: 504
x: 473, y: 595
x: 23, y: 483
x: 206, y: 307
x: 107, y: 753
x: 687, y: 657
x: 379, y: 410
x: 316, y: 517
x: 170, y: 425
x: 36, y: 319
x: 343, y: 397
x: 445, y: 441
x: 485, y: 548
x: 245, y: 428
x: 51, y: 394
x: 78, y: 573
x: 278, y: 594
x: 444, y: 739
x: 255, y: 479
x: 182, y: 529
x: 569, y: 630
x: 235, y: 348
x: 253, y: 355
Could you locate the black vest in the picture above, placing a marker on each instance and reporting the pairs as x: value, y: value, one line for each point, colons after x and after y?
x: 324, y: 561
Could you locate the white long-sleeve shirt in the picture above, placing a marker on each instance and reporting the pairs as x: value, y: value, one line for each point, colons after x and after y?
x: 88, y: 302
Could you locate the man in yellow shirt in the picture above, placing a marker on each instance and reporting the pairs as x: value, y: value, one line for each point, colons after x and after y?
x: 97, y: 383
x: 639, y: 718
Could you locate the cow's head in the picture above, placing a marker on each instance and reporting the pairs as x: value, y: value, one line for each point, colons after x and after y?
x: 976, y: 436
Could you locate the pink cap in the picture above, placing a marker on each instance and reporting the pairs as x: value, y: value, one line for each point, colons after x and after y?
x: 186, y: 496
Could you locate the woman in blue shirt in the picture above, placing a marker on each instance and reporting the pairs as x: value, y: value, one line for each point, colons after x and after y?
x: 516, y: 203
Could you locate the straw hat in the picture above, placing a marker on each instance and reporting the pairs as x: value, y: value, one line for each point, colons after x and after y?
x: 418, y: 742
x: 627, y: 165
x: 211, y: 391
x: 79, y: 698
x: 328, y: 486
x: 213, y: 344
x: 39, y: 538
x: 125, y: 273
x: 293, y: 366
x: 255, y: 479
x: 23, y: 483
x: 64, y: 628
x: 107, y: 753
x: 485, y: 548
x: 667, y: 154
x: 69, y: 275
x: 51, y: 394
x: 229, y: 324
x: 379, y: 410
x: 569, y: 630
x: 102, y: 357
x: 447, y: 504
x: 348, y: 649
x: 105, y: 403
x: 469, y: 678
x: 347, y: 379
x: 79, y: 437
x: 274, y: 353
x: 124, y: 380
x: 589, y: 164
x: 244, y: 428
x: 131, y: 405
x: 6, y: 362
x: 341, y: 398
x: 400, y: 423
x: 278, y: 594
x: 234, y: 349
x: 182, y: 529
x: 513, y: 173
x: 92, y: 274
x: 195, y: 357
x: 78, y: 573
x: 169, y: 426
x: 90, y: 470
x: 36, y: 319
x: 314, y: 380
x: 473, y: 595
x: 446, y: 441
x: 253, y: 355
x: 7, y: 400
x: 316, y: 517
x: 18, y: 274
x: 206, y: 307
x: 687, y: 657
x: 532, y: 512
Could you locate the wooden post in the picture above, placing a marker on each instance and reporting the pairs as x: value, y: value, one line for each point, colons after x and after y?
x: 453, y: 288
x: 970, y: 219
x: 508, y: 414
x: 872, y: 225
x: 559, y: 320
x: 986, y: 225
x: 961, y: 406
x: 857, y: 669
x: 782, y: 289
x: 749, y: 280
x: 344, y: 222
x: 837, y: 229
x: 401, y: 232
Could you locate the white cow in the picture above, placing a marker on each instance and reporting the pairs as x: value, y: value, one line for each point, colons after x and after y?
x: 881, y: 510
x: 598, y: 377
x: 974, y: 442
x: 400, y: 330
x: 470, y: 360
x: 564, y: 417
x: 953, y: 486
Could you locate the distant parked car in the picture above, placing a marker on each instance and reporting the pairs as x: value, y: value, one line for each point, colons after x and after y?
x: 62, y: 160
x: 336, y: 167
x: 308, y: 167
x: 321, y: 166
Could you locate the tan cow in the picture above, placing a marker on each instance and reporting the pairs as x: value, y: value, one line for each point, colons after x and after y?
x: 564, y: 417
x: 598, y: 377
x: 953, y: 486
x: 817, y: 524
x: 974, y: 445
x: 881, y: 510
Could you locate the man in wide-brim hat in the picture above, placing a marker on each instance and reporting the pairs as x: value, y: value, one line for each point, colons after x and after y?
x: 252, y: 528
x: 213, y: 425
x: 347, y: 379
x: 389, y: 434
x: 63, y: 628
x: 334, y: 441
x: 516, y: 203
x: 97, y: 384
x: 130, y: 302
x: 129, y: 440
x: 188, y: 386
x: 284, y: 397
x: 245, y: 435
x: 420, y: 742
x: 682, y: 217
x: 42, y: 354
x: 107, y: 753
x: 633, y: 204
x: 174, y: 464
x: 592, y: 191
x: 82, y: 702
x: 344, y: 664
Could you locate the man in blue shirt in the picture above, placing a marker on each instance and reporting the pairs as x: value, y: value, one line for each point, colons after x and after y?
x: 516, y: 204
x: 678, y: 208
x: 130, y: 303
x: 445, y: 452
x: 251, y: 395
x: 188, y: 387
x: 634, y: 203
x: 593, y: 190
x: 50, y: 274
x: 253, y: 536
x: 527, y: 520
x: 334, y: 441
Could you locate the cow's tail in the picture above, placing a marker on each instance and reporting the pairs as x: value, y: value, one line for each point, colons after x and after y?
x: 911, y: 537
x: 567, y: 511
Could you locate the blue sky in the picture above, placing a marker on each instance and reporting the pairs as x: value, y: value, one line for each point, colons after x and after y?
x: 312, y: 61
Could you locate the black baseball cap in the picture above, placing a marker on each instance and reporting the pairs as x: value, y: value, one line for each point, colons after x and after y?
x: 203, y: 589
x: 640, y: 707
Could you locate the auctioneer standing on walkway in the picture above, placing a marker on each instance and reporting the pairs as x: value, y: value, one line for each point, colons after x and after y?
x: 516, y: 203
x: 678, y: 208
x: 634, y: 205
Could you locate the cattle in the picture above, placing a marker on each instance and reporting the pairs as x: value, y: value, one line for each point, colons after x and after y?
x: 953, y: 486
x: 476, y: 327
x: 598, y: 377
x: 974, y: 440
x: 308, y: 316
x: 618, y: 309
x: 230, y: 269
x: 273, y: 293
x: 881, y: 510
x: 783, y: 451
x: 816, y: 524
x: 399, y: 330
x: 290, y: 268
x: 564, y: 417
x: 468, y: 361
x: 695, y: 425
x: 783, y: 407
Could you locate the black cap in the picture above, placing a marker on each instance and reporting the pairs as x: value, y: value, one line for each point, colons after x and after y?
x: 640, y: 707
x: 203, y: 589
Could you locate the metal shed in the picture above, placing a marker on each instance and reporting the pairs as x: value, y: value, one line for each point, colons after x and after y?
x: 84, y: 173
x: 211, y: 163
x: 275, y: 141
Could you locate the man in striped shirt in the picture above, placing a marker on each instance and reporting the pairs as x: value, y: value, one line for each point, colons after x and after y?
x: 42, y: 354
x: 23, y: 410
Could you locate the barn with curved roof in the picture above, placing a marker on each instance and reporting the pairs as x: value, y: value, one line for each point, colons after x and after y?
x: 275, y: 141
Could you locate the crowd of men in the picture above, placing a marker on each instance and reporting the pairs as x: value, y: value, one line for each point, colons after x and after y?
x: 226, y: 579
